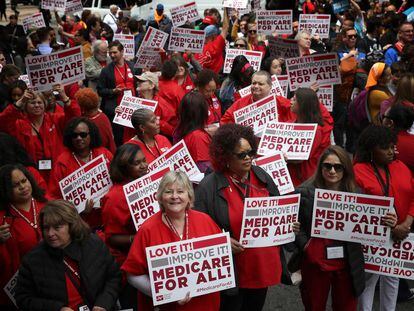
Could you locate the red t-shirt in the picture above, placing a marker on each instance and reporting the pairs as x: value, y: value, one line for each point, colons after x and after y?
x: 214, y: 110
x: 155, y: 232
x: 168, y: 116
x: 172, y: 93
x: 75, y: 300
x: 188, y: 84
x: 197, y: 143
x: 124, y: 78
x: 212, y: 56
x: 162, y: 144
x: 256, y: 267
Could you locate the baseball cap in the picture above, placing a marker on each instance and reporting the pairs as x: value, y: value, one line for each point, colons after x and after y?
x: 149, y: 76
x: 160, y: 7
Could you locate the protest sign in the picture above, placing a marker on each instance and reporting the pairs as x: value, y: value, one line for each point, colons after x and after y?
x: 128, y: 105
x: 284, y: 83
x: 304, y: 71
x: 34, y: 21
x: 294, y: 139
x: 178, y: 158
x: 73, y: 6
x: 316, y: 24
x: 325, y: 96
x: 91, y: 181
x: 391, y: 259
x: 268, y: 221
x: 184, y: 39
x: 274, y: 21
x: 58, y: 5
x: 199, y: 266
x: 141, y: 196
x: 184, y: 13
x: 25, y: 79
x: 351, y: 217
x: 63, y: 67
x: 276, y: 88
x: 254, y: 58
x: 257, y: 114
x: 129, y: 44
x: 340, y: 6
x: 148, y: 58
x: 275, y: 166
x: 245, y: 91
x: 237, y: 4
x: 154, y: 38
x: 283, y: 48
x: 10, y: 288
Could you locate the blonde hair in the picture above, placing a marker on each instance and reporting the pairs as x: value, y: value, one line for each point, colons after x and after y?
x: 171, y: 178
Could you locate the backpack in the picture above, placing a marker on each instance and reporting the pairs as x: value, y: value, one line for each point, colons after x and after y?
x: 358, y: 113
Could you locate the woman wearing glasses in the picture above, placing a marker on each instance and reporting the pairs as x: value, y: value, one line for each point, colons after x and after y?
x: 83, y: 142
x: 254, y: 44
x: 221, y: 195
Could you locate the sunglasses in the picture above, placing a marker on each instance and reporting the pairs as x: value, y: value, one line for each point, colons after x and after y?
x: 337, y: 167
x: 352, y: 36
x: 252, y: 31
x: 242, y: 155
x: 81, y: 134
x: 239, y: 45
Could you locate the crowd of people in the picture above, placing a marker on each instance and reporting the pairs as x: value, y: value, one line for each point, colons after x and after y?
x: 68, y: 260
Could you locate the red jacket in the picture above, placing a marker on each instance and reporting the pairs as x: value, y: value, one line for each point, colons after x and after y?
x: 212, y: 56
x: 168, y: 116
x: 172, y: 93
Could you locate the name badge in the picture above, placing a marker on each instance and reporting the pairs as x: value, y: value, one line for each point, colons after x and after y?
x: 128, y: 92
x: 334, y: 252
x: 45, y: 164
x: 84, y: 308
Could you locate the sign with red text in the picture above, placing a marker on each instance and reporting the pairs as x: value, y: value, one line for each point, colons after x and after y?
x: 274, y: 21
x: 129, y: 44
x: 154, y: 38
x: 184, y: 13
x: 325, y: 96
x: 58, y: 5
x: 283, y: 48
x: 34, y: 21
x: 62, y: 67
x: 391, y: 259
x: 184, y: 39
x: 141, y: 196
x: 304, y: 71
x: 178, y: 158
x: 351, y: 217
x: 91, y: 181
x: 284, y: 84
x: 257, y: 114
x: 269, y: 221
x: 293, y: 139
x: 128, y: 105
x: 254, y: 58
x: 73, y: 6
x: 148, y: 58
x: 10, y: 288
x: 197, y: 266
x: 316, y: 24
x: 276, y: 88
x: 25, y: 79
x: 237, y: 4
x: 275, y: 166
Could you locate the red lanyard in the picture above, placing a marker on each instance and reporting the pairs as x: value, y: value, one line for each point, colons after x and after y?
x: 77, y: 160
x: 156, y: 147
x: 33, y: 206
x: 122, y: 76
x: 174, y: 229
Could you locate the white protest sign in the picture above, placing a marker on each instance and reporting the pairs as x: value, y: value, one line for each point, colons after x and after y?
x: 34, y: 21
x: 283, y: 48
x: 141, y: 196
x: 178, y: 158
x: 184, y: 39
x: 245, y: 91
x: 316, y: 24
x: 25, y: 79
x: 351, y: 217
x: 91, y: 181
x: 129, y: 44
x: 63, y: 67
x: 325, y: 96
x: 154, y: 38
x: 10, y: 288
x: 304, y: 71
x: 392, y: 259
x: 184, y: 13
x: 284, y: 83
x: 276, y: 88
x: 58, y: 5
x: 275, y: 165
x: 254, y: 58
x: 199, y: 266
x: 257, y: 114
x: 128, y: 105
x: 269, y: 221
x: 148, y: 58
x: 237, y: 4
x: 274, y: 21
x: 73, y: 6
x: 294, y: 139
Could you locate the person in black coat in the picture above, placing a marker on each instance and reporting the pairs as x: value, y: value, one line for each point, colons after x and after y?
x: 70, y: 269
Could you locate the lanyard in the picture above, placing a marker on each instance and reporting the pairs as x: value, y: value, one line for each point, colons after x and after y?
x: 77, y: 161
x: 39, y: 137
x: 120, y: 73
x: 150, y: 150
x: 174, y: 229
x: 74, y: 272
x: 33, y: 207
x: 384, y: 185
x: 242, y: 188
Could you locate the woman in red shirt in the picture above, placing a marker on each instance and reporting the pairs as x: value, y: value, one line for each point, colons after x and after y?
x: 206, y: 83
x: 176, y: 221
x: 183, y: 76
x: 193, y: 117
x: 21, y: 200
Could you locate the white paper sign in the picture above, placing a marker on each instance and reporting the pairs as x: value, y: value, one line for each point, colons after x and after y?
x: 276, y: 89
x: 129, y: 44
x: 316, y: 24
x: 325, y: 96
x: 283, y: 48
x: 254, y: 58
x: 73, y: 6
x: 269, y: 221
x: 184, y: 13
x: 274, y: 21
x: 58, y: 5
x: 148, y: 58
x: 154, y: 38
x: 25, y: 79
x: 200, y: 266
x: 237, y: 4
x: 128, y: 105
x: 284, y: 84
x: 34, y: 21
x: 10, y: 288
x: 184, y: 39
x: 91, y: 181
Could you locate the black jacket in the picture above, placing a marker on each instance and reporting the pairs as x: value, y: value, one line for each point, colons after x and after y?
x: 353, y: 251
x: 41, y: 284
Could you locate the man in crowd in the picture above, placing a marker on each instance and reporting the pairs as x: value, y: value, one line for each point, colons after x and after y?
x: 405, y: 36
x: 111, y: 18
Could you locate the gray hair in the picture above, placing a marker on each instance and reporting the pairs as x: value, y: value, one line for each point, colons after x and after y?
x: 113, y: 6
x: 300, y: 34
x: 140, y: 117
x: 266, y: 74
x: 175, y: 177
x: 96, y: 44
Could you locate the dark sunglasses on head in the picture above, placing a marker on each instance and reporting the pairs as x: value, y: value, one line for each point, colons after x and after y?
x: 352, y: 36
x: 252, y: 31
x: 329, y: 166
x: 81, y: 134
x: 244, y: 154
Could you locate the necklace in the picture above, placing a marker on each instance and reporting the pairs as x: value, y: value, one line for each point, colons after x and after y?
x: 77, y: 160
x: 149, y: 148
x: 33, y: 206
x: 174, y: 229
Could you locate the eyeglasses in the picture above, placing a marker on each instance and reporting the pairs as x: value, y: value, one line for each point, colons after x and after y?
x: 81, y: 134
x: 352, y: 36
x: 337, y: 167
x: 239, y: 45
x: 252, y: 31
x: 242, y: 155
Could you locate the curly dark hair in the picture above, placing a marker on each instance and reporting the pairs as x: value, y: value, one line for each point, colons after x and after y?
x: 373, y: 136
x: 94, y: 134
x: 123, y: 156
x: 402, y: 117
x: 226, y: 139
x: 205, y: 76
